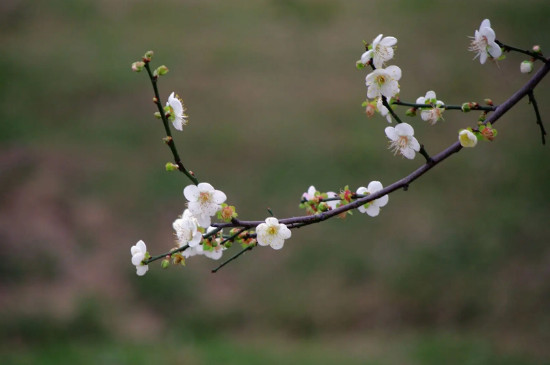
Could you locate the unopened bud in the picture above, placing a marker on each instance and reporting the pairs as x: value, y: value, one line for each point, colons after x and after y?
x: 411, y: 112
x: 165, y: 263
x: 536, y: 48
x: 488, y: 102
x: 526, y: 67
x: 359, y: 65
x: 171, y: 166
x: 370, y: 110
x: 466, y: 107
x: 138, y: 66
x: 157, y: 115
x: 160, y: 71
x: 167, y: 139
x: 467, y: 138
x: 147, y: 57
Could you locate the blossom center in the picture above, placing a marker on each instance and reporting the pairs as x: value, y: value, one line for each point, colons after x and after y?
x: 272, y: 231
x: 400, y: 143
x: 380, y: 80
x: 204, y: 198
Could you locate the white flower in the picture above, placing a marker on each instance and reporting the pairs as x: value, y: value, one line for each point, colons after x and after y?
x: 187, y: 230
x: 381, y: 51
x: 526, y: 67
x: 467, y: 138
x: 272, y: 233
x: 383, y: 81
x: 402, y: 140
x: 204, y: 202
x: 138, y: 252
x: 383, y: 110
x: 310, y: 193
x: 434, y: 113
x: 372, y: 208
x: 483, y: 42
x: 177, y: 111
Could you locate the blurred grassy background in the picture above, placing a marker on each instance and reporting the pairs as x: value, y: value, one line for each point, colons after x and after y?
x: 454, y: 271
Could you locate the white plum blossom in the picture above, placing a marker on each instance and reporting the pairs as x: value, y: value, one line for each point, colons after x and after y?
x: 526, y: 67
x: 177, y: 111
x: 138, y: 252
x: 272, y: 233
x: 434, y: 113
x: 467, y: 138
x: 204, y: 202
x: 381, y: 51
x: 483, y: 42
x: 186, y: 229
x: 402, y: 140
x: 383, y: 81
x: 372, y: 208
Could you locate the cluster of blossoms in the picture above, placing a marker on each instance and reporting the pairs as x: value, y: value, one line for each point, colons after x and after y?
x: 383, y: 90
x: 194, y: 232
x: 381, y: 82
x: 195, y: 235
x: 316, y: 202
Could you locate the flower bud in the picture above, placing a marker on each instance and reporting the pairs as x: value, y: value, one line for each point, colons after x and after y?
x: 467, y: 138
x: 488, y: 102
x: 411, y: 112
x: 165, y: 263
x: 370, y: 110
x: 536, y: 48
x: 148, y: 56
x: 138, y: 66
x: 171, y: 166
x: 359, y: 65
x: 466, y: 107
x: 160, y: 71
x: 526, y: 67
x: 157, y: 115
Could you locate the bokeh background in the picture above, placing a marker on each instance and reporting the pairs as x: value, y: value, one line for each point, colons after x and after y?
x: 454, y: 271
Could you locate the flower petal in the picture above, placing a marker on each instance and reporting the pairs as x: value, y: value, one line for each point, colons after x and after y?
x: 373, y: 210
x: 382, y: 201
x: 277, y: 243
x: 374, y: 186
x: 388, y: 41
x: 141, y: 270
x: 394, y: 72
x: 205, y: 187
x: 219, y: 197
x: 391, y: 133
x: 413, y: 143
x: 494, y: 50
x: 404, y: 129
x: 191, y: 193
x: 486, y: 23
x: 408, y: 153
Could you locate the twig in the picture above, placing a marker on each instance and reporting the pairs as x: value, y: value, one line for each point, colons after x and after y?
x: 533, y: 102
x: 169, y: 140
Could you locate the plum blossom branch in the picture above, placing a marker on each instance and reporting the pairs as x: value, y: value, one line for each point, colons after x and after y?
x: 382, y: 86
x: 169, y: 140
x: 407, y: 180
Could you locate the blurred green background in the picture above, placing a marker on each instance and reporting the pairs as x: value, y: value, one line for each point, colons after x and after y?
x: 454, y: 271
